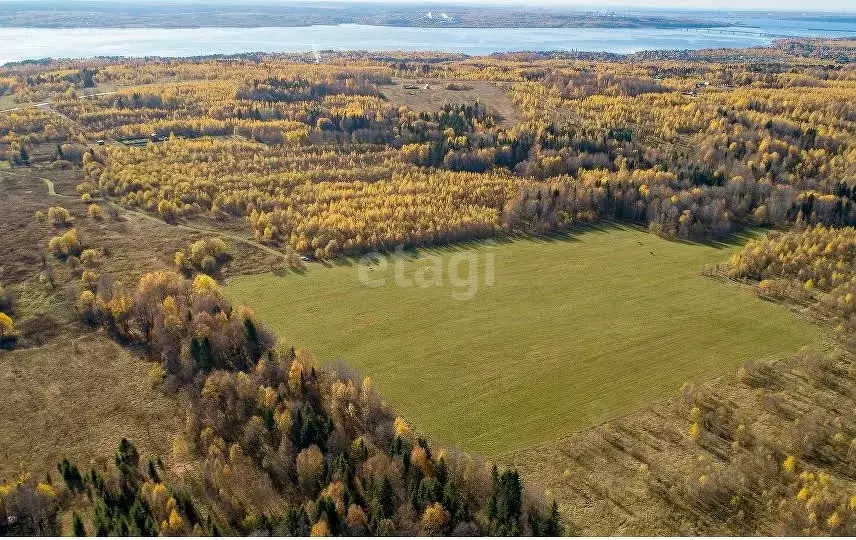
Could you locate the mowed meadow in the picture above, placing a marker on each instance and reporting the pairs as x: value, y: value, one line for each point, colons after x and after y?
x: 545, y: 337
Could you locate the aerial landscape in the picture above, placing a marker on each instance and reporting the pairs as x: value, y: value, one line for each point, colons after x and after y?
x: 427, y: 269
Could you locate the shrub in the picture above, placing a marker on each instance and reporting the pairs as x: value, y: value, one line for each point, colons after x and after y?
x: 59, y: 216
x: 65, y: 245
x: 87, y: 306
x: 89, y: 280
x: 206, y: 255
x: 90, y: 257
x: 95, y: 212
x: 8, y: 332
x: 156, y: 375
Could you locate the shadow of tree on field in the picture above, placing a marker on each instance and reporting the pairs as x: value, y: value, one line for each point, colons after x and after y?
x: 413, y: 253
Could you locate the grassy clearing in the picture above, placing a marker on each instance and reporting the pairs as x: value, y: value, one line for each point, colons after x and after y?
x: 573, y: 331
x: 437, y: 95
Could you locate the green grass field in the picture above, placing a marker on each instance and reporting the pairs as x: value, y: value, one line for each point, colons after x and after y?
x: 573, y: 331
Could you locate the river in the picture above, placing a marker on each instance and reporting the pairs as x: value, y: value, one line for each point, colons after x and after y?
x: 18, y: 44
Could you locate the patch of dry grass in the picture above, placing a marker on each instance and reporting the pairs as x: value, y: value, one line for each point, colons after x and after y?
x: 68, y: 392
x: 625, y: 477
x: 438, y: 94
x: 77, y: 399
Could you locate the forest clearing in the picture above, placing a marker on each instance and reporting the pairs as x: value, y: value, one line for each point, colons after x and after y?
x: 575, y: 329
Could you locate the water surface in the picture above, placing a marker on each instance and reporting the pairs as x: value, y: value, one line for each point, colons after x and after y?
x: 18, y: 44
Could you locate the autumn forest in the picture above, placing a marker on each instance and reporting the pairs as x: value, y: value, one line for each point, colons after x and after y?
x: 134, y: 192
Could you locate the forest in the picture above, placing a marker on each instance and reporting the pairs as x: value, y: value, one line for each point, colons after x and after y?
x: 168, y: 177
x: 693, y: 151
x: 284, y: 447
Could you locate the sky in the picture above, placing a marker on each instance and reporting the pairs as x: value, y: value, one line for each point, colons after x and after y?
x: 788, y: 5
x: 791, y: 5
